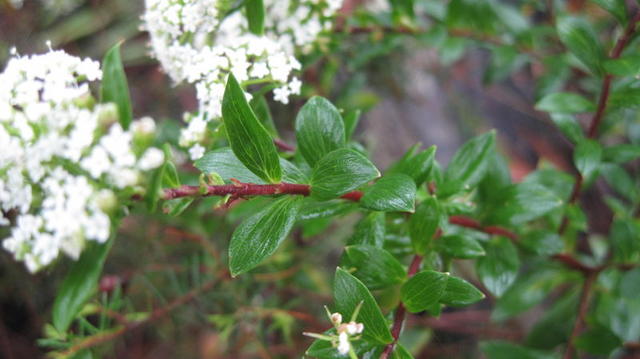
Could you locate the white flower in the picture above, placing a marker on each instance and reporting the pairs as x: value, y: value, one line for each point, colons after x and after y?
x: 151, y: 159
x: 343, y: 343
x: 196, y: 152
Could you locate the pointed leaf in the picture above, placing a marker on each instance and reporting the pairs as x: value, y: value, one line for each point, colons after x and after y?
x: 460, y: 293
x: 348, y: 292
x: 469, y: 164
x: 319, y: 129
x: 255, y: 15
x: 424, y: 290
x: 114, y: 86
x: 499, y: 267
x: 375, y: 267
x: 460, y: 247
x: 587, y: 156
x: 578, y: 35
x: 260, y: 235
x: 370, y: 230
x: 565, y: 102
x: 248, y: 138
x: 392, y: 193
x: 424, y: 224
x: 339, y: 172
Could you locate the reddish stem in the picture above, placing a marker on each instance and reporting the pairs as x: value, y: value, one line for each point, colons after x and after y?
x: 474, y: 224
x: 583, y: 307
x: 283, y: 146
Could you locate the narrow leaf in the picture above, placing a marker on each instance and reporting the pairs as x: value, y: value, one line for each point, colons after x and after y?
x: 255, y: 15
x: 339, y: 172
x: 565, y: 102
x: 578, y: 35
x: 469, y: 164
x: 424, y: 224
x: 260, y: 235
x: 348, y: 293
x: 114, y: 86
x: 248, y: 138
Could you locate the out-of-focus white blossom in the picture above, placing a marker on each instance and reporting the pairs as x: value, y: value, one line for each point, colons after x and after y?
x: 61, y: 167
x: 344, y: 334
x: 202, y: 41
x: 343, y: 343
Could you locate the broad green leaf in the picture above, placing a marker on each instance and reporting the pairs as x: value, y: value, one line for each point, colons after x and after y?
x: 620, y: 180
x: 248, y: 139
x: 313, y: 209
x: 542, y: 242
x: 569, y: 126
x: 565, y: 102
x: 424, y: 290
x: 424, y: 224
x: 499, y: 267
x: 458, y: 246
x: 578, y: 36
x: 263, y: 113
x: 626, y: 65
x: 506, y: 350
x: 339, y: 172
x: 617, y: 8
x: 392, y: 193
x: 319, y: 129
x: 255, y: 15
x: 417, y: 166
x: 114, y: 86
x: 259, y: 236
x: 79, y: 284
x: 621, y: 153
x: 370, y: 230
x: 522, y: 202
x: 351, y: 120
x: 469, y: 164
x: 598, y: 340
x: 348, y: 293
x: 622, y: 98
x: 375, y: 267
x: 224, y: 162
x: 624, y: 240
x: 555, y: 325
x: 619, y: 314
x: 587, y: 156
x: 460, y: 293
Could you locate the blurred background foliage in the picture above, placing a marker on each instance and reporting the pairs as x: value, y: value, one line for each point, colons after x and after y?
x: 435, y: 87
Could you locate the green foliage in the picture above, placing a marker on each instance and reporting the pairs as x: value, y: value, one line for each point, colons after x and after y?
x: 339, y: 172
x: 319, y: 129
x: 255, y: 15
x: 114, y: 86
x: 375, y: 267
x: 391, y: 193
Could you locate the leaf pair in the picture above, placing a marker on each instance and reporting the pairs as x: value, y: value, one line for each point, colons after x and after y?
x: 428, y: 289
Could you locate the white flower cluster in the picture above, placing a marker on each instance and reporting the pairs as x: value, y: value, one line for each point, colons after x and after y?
x: 346, y: 332
x: 201, y: 41
x: 63, y: 159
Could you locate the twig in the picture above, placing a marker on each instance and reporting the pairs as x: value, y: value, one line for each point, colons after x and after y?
x: 583, y: 307
x: 398, y: 318
x: 474, y: 224
x: 283, y: 145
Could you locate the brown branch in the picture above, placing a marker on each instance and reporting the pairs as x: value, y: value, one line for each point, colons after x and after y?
x: 155, y: 315
x: 583, y: 307
x: 622, y: 42
x: 398, y: 318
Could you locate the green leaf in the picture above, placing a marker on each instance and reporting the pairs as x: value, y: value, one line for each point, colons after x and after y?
x: 339, y: 172
x: 177, y: 206
x: 224, y: 162
x: 79, y: 284
x: 505, y: 350
x: 522, y: 202
x: 260, y: 235
x: 626, y: 65
x: 248, y: 139
x: 154, y: 190
x: 459, y: 247
x: 499, y: 267
x: 579, y: 37
x: 348, y: 293
x: 555, y: 325
x: 114, y: 86
x: 351, y: 120
x: 569, y: 126
x: 255, y: 15
x: 620, y: 180
x: 587, y: 156
x: 424, y: 290
x: 375, y: 267
x: 565, y: 102
x: 469, y: 164
x: 424, y: 224
x: 617, y: 8
x: 460, y: 293
x: 313, y: 209
x: 319, y: 129
x: 630, y: 284
x: 260, y: 107
x: 542, y: 242
x: 392, y: 193
x: 370, y: 230
x: 598, y: 340
x: 621, y: 153
x: 623, y: 98
x: 417, y: 166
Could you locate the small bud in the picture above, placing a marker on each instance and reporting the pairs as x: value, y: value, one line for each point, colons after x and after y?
x: 106, y: 201
x: 336, y: 318
x: 107, y: 114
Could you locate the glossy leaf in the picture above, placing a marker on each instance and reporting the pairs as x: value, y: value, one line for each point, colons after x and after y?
x: 587, y: 156
x: 392, y: 193
x: 415, y: 165
x: 79, y: 284
x: 469, y: 163
x: 578, y: 36
x: 460, y: 247
x: 370, y: 230
x: 259, y: 236
x: 339, y: 172
x: 565, y: 102
x: 424, y: 290
x: 569, y: 126
x: 255, y: 15
x: 522, y: 202
x: 621, y: 153
x: 626, y: 65
x: 248, y: 138
x: 319, y: 129
x: 114, y: 86
x: 375, y: 267
x: 351, y: 120
x: 460, y: 293
x: 499, y: 267
x: 348, y: 293
x: 424, y: 223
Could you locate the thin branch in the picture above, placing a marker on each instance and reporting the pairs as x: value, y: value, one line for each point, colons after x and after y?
x: 283, y: 146
x: 398, y: 318
x: 583, y: 307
